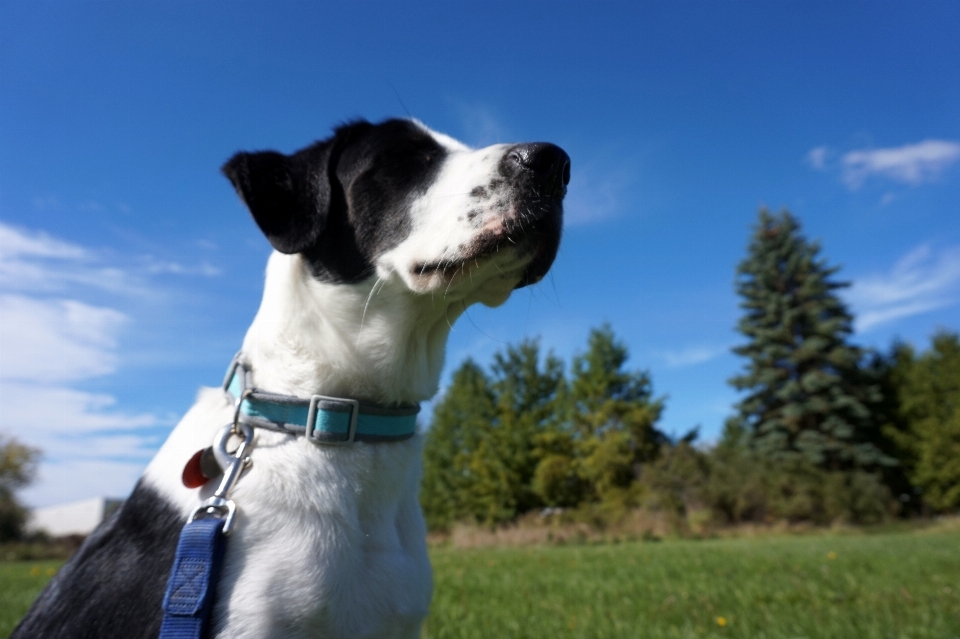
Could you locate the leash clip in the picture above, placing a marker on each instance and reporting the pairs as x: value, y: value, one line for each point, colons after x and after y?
x: 219, y: 505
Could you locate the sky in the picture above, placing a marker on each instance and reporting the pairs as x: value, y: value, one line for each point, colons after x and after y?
x: 129, y: 269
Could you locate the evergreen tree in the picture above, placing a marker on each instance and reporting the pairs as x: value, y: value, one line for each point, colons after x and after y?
x: 613, y: 414
x: 927, y: 427
x: 461, y: 420
x: 529, y: 405
x: 480, y: 454
x: 521, y: 437
x: 806, y: 396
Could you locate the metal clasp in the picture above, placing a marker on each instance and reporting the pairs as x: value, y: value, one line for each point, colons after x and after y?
x: 219, y: 505
x: 312, y: 419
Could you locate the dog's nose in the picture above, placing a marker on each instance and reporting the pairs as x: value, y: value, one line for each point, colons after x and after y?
x: 547, y: 161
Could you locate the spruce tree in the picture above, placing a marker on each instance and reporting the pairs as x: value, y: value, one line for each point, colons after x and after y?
x: 929, y: 411
x: 613, y: 413
x: 461, y: 420
x: 807, y: 399
x: 480, y: 454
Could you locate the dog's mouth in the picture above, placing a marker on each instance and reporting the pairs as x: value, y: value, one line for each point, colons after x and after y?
x: 525, y: 251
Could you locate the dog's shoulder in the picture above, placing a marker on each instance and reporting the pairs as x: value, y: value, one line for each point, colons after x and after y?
x: 114, y: 585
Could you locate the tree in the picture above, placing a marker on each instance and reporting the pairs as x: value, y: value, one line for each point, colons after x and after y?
x: 480, y: 455
x: 926, y: 425
x: 522, y: 437
x: 18, y: 467
x: 459, y: 423
x: 612, y: 414
x: 807, y: 398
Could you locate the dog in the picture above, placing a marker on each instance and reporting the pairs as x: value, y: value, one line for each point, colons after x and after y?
x: 383, y: 234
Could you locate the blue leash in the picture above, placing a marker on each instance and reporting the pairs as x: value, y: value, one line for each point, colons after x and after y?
x: 196, y: 568
x: 193, y: 582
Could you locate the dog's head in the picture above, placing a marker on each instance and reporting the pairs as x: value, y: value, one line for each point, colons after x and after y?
x: 396, y: 198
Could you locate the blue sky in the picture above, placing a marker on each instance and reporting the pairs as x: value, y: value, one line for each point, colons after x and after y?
x: 129, y: 270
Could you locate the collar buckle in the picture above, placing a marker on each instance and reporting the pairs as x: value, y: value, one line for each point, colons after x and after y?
x: 312, y: 411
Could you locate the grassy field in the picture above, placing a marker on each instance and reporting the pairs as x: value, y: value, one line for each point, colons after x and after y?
x: 904, y: 585
x: 20, y: 583
x: 899, y: 585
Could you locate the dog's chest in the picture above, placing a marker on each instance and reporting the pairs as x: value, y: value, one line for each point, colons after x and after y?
x: 331, y: 544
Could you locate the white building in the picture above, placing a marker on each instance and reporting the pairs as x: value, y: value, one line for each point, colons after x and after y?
x: 74, y: 518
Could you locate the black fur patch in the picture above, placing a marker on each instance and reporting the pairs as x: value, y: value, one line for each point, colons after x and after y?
x: 341, y: 202
x: 113, y: 587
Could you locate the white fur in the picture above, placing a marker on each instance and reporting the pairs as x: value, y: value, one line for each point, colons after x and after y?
x: 330, y: 541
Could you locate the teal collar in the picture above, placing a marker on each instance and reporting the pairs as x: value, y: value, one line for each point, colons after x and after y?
x: 321, y: 419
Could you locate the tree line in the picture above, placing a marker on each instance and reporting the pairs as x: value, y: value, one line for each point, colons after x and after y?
x: 825, y: 430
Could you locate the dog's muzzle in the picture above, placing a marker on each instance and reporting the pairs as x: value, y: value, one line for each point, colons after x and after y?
x: 541, y: 173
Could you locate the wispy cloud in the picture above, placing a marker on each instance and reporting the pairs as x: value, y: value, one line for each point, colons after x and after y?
x: 75, y: 479
x: 919, y: 282
x: 52, y: 338
x: 693, y: 355
x: 34, y: 262
x: 595, y: 194
x: 481, y: 125
x: 910, y: 164
x: 817, y: 157
x: 51, y: 341
x: 155, y: 266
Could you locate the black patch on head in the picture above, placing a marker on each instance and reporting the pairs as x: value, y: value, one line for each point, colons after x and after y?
x: 113, y: 587
x: 479, y: 192
x: 341, y: 202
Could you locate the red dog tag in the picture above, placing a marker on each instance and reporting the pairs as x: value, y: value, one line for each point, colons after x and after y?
x: 192, y: 474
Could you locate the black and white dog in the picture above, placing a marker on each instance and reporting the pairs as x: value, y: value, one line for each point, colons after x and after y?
x: 384, y: 234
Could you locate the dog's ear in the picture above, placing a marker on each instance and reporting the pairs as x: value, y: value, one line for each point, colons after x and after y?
x: 288, y: 195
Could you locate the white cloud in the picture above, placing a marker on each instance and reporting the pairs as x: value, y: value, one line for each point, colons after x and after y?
x: 15, y: 242
x: 73, y: 480
x: 817, y: 157
x: 48, y: 343
x: 36, y: 412
x: 693, y: 355
x: 919, y: 282
x: 911, y: 164
x: 595, y: 195
x: 59, y: 340
x: 481, y: 126
x: 158, y: 267
x: 34, y: 262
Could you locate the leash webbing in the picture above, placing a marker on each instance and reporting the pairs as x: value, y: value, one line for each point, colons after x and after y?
x: 193, y: 582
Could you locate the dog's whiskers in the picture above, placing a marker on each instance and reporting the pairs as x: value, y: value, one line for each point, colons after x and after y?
x: 363, y: 315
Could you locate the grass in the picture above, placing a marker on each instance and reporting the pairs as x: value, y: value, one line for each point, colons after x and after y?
x: 901, y: 585
x: 20, y: 583
x: 895, y: 585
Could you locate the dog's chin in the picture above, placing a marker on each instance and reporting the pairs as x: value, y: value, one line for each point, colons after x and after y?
x: 475, y: 277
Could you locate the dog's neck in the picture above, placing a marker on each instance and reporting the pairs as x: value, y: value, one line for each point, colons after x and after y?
x: 374, y: 341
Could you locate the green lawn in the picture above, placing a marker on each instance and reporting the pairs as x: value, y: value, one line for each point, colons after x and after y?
x: 899, y: 585
x: 903, y: 585
x: 20, y: 583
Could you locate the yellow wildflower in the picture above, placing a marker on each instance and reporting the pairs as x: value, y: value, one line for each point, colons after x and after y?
x: 721, y: 621
x: 831, y: 555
